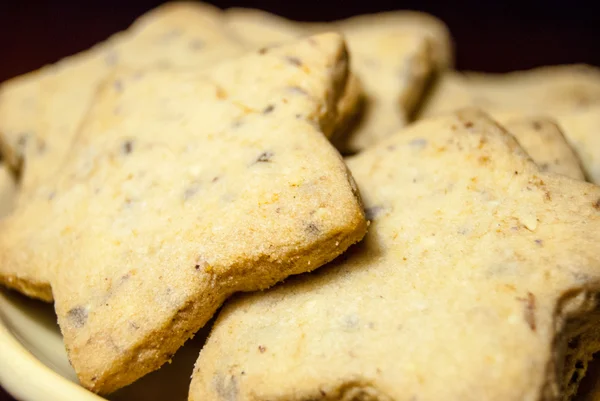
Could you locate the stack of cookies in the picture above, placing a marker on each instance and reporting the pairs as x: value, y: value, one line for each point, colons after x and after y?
x: 441, y: 227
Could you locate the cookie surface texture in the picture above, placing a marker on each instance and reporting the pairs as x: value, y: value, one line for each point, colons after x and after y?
x: 476, y: 272
x: 393, y: 56
x: 544, y: 141
x: 183, y: 188
x: 551, y: 90
x: 570, y: 94
x: 260, y: 29
x: 41, y: 111
x: 410, y: 21
x: 393, y: 67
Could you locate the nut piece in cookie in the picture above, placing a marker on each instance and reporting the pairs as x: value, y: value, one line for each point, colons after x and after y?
x: 478, y: 280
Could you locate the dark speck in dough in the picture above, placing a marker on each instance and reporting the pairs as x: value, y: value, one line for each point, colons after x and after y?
x: 543, y: 166
x: 127, y: 147
x: 77, y: 317
x: 265, y: 157
x: 191, y: 190
x: 311, y: 228
x: 529, y: 311
x: 269, y: 109
x: 294, y: 61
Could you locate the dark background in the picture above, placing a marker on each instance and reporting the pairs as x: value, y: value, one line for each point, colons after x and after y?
x: 494, y: 36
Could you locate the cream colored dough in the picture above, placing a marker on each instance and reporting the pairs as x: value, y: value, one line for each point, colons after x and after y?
x: 477, y: 270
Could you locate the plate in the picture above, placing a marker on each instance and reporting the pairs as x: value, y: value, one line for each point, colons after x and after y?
x: 34, y: 364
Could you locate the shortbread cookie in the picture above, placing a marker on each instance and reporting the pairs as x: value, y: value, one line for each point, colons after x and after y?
x: 411, y: 21
x: 263, y: 29
x: 543, y: 140
x: 477, y: 271
x: 393, y: 67
x: 174, y: 35
x: 392, y: 59
x: 181, y: 189
x: 570, y: 94
x: 414, y: 22
x: 260, y: 29
x: 581, y: 130
x: 8, y: 190
x: 548, y: 90
x: 40, y: 111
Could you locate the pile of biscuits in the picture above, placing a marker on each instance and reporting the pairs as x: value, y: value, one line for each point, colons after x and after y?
x: 198, y: 155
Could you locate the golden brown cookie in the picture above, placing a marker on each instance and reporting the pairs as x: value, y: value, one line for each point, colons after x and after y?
x: 411, y: 21
x: 182, y: 188
x: 478, y: 274
x: 393, y: 62
x: 41, y: 111
x: 550, y: 90
x: 570, y: 94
